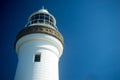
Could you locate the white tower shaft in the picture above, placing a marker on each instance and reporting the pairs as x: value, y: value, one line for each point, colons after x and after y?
x: 44, y: 45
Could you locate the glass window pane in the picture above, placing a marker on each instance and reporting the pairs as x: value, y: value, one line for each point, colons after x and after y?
x: 53, y: 25
x: 46, y: 15
x: 41, y: 21
x: 35, y: 21
x: 36, y: 16
x: 32, y: 22
x: 37, y: 58
x: 51, y: 20
x: 46, y: 18
x: 41, y: 14
x: 41, y: 17
x: 32, y: 18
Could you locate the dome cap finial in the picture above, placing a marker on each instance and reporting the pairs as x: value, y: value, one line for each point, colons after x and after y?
x: 43, y: 10
x: 43, y: 7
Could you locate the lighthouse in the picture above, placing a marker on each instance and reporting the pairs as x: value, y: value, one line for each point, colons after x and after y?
x: 39, y: 45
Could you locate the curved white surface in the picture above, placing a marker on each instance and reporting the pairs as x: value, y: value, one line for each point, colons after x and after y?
x: 50, y: 49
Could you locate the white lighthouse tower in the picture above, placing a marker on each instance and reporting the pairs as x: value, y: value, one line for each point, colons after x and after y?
x: 39, y: 46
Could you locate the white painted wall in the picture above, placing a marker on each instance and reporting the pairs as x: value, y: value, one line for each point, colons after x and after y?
x: 47, y: 69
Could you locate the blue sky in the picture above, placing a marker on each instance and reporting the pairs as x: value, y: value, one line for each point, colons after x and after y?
x: 91, y: 29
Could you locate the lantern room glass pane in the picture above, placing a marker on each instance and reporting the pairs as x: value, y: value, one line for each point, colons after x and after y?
x: 41, y: 17
x: 41, y: 21
x: 36, y: 16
